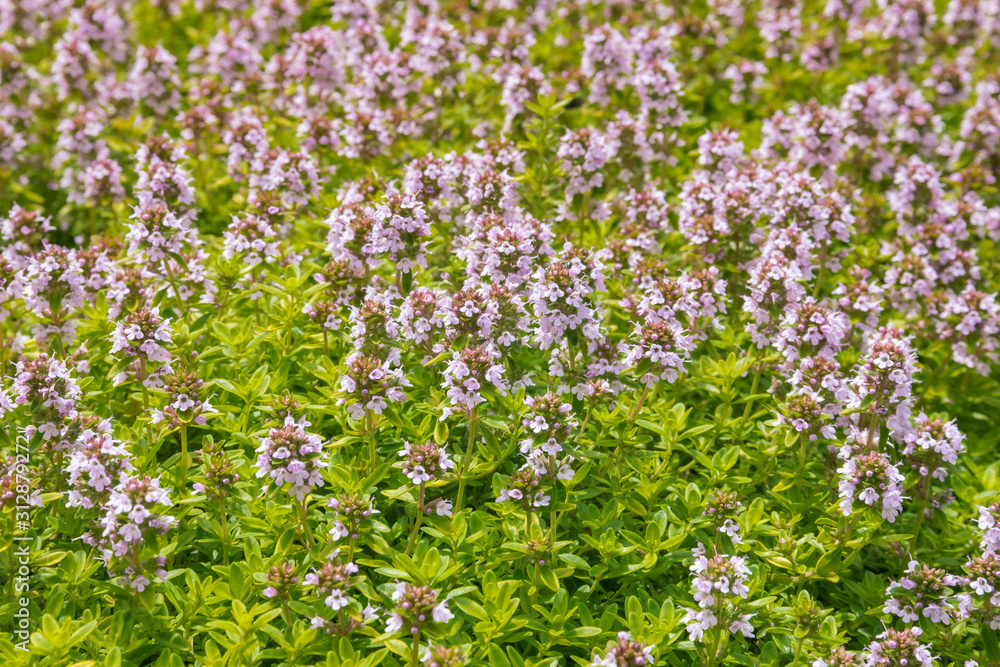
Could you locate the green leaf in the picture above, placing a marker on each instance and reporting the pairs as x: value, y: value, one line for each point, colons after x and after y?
x: 549, y: 578
x: 497, y: 658
x: 583, y: 631
x: 120, y: 365
x: 471, y: 608
x: 377, y: 476
x: 575, y: 561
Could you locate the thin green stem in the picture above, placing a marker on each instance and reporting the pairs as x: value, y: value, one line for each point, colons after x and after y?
x: 798, y: 652
x: 802, y: 456
x: 372, y: 453
x: 173, y: 282
x: 415, y: 653
x: 534, y: 593
x: 553, y: 512
x: 921, y: 510
x: 874, y: 429
x: 185, y: 461
x: 638, y: 405
x: 462, y: 479
x: 586, y: 420
x: 416, y: 521
x: 850, y: 529
x: 300, y: 506
x: 343, y: 619
x: 753, y: 391
x: 287, y: 611
x: 145, y: 398
x: 716, y: 645
x: 224, y: 536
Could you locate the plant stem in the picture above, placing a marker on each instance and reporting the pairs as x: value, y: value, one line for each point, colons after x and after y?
x: 225, y: 530
x: 538, y: 572
x: 145, y: 398
x: 372, y: 454
x: 416, y: 521
x: 173, y: 284
x: 300, y: 506
x: 802, y: 456
x: 874, y: 431
x: 753, y: 391
x: 713, y: 656
x: 462, y: 480
x: 921, y: 510
x: 850, y: 529
x: 415, y: 654
x: 185, y: 461
x: 798, y: 651
x: 586, y: 420
x: 638, y: 405
x: 553, y: 522
x: 288, y: 612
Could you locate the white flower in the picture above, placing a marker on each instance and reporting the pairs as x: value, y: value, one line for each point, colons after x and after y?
x: 339, y: 531
x: 337, y: 600
x: 395, y: 623
x: 441, y: 613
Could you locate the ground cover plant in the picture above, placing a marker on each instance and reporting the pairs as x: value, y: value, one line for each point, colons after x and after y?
x: 364, y: 333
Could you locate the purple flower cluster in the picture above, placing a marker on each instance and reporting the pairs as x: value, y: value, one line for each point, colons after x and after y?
x: 922, y: 593
x: 515, y: 213
x: 659, y: 353
x: 95, y: 468
x: 291, y: 459
x: 332, y: 581
x: 870, y: 477
x: 186, y: 401
x: 895, y: 647
x: 719, y: 589
x: 133, y: 521
x: 426, y: 462
x: 353, y: 516
x: 369, y: 384
x: 417, y: 607
x: 626, y: 652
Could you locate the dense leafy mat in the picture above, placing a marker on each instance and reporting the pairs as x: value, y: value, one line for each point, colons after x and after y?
x: 568, y: 333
